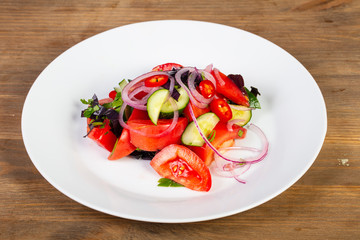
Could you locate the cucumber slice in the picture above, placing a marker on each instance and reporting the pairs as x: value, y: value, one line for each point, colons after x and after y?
x: 121, y: 86
x: 155, y: 103
x: 167, y: 110
x: 238, y: 114
x: 207, y: 123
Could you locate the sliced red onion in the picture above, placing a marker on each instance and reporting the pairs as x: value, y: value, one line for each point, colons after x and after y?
x: 131, y: 85
x: 172, y: 85
x: 241, y: 108
x: 233, y: 173
x: 178, y: 80
x: 231, y: 123
x: 209, y: 77
x: 218, y: 77
x: 145, y: 89
x: 208, y: 68
x: 261, y: 153
x: 167, y: 131
x: 252, y: 127
x: 200, y: 98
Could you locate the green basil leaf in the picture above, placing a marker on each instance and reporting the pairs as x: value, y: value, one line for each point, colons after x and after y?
x: 253, y: 101
x: 165, y: 182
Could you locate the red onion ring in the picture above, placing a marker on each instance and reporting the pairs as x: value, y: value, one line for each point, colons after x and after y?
x: 252, y: 127
x: 209, y: 76
x: 167, y: 131
x: 191, y: 83
x: 178, y: 80
x: 145, y: 89
x: 235, y: 171
x: 208, y: 68
x: 130, y: 87
x: 218, y: 77
x: 241, y: 108
x: 230, y: 124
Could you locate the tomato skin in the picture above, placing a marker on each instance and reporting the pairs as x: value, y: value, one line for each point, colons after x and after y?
x: 112, y: 94
x: 222, y: 109
x: 197, y: 111
x: 156, y: 81
x: 223, y: 138
x: 104, y: 137
x: 123, y: 147
x: 155, y: 143
x: 166, y: 67
x: 207, y: 89
x: 138, y: 114
x: 105, y: 100
x: 228, y: 88
x: 182, y: 165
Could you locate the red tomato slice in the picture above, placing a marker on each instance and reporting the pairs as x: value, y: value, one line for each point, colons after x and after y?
x: 166, y: 67
x: 228, y: 88
x: 123, y: 146
x: 138, y: 114
x: 155, y: 143
x: 156, y: 81
x: 105, y: 100
x: 103, y: 136
x: 197, y: 111
x: 223, y: 138
x: 222, y: 109
x: 182, y: 165
x: 207, y: 89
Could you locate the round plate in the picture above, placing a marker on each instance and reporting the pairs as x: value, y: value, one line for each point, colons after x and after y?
x: 293, y: 116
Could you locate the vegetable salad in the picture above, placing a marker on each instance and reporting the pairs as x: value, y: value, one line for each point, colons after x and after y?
x: 183, y: 119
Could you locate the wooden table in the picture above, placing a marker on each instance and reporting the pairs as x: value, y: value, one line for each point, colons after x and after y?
x: 324, y: 35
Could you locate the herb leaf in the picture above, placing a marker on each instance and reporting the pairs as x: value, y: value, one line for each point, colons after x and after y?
x: 253, y: 101
x: 165, y: 182
x: 88, y: 102
x: 118, y: 102
x: 211, y: 136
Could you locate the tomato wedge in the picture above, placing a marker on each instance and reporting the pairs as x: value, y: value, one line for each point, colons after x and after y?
x: 228, y: 88
x: 149, y: 143
x: 182, y: 165
x: 223, y: 138
x: 103, y: 135
x: 123, y: 146
x: 105, y: 100
x: 166, y: 67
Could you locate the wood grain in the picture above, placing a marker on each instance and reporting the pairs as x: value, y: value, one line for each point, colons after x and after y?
x: 324, y: 35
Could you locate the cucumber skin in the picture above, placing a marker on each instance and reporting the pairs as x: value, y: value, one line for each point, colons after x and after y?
x: 247, y: 119
x: 169, y: 115
x: 154, y: 109
x: 167, y: 112
x: 190, y: 129
x: 182, y: 103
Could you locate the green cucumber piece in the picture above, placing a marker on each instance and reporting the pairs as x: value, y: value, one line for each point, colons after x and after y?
x: 155, y: 103
x: 167, y: 110
x: 207, y: 123
x: 242, y: 115
x: 121, y: 86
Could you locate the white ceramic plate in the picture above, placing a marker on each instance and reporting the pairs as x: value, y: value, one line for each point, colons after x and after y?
x: 293, y: 116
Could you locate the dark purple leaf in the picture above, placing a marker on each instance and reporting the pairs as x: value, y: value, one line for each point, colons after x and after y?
x: 239, y: 81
